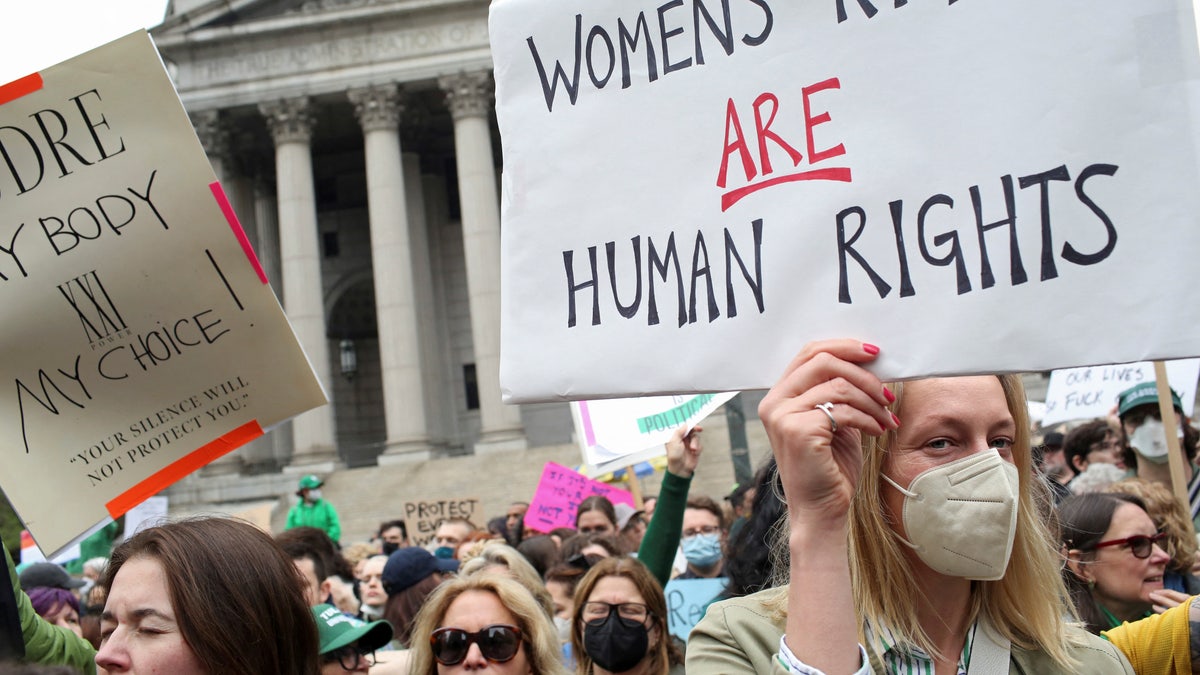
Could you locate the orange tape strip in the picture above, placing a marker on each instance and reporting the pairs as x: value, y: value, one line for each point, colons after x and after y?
x: 18, y: 88
x: 183, y: 466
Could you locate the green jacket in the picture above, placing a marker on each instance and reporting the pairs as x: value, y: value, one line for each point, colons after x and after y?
x: 661, y: 540
x: 320, y: 515
x: 740, y: 635
x: 46, y: 643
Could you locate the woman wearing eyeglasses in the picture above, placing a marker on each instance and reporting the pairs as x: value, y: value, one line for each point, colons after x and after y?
x: 620, y: 622
x: 1114, y: 562
x: 485, y: 623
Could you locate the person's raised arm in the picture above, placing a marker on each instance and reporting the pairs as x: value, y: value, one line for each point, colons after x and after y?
x: 814, y: 417
x: 46, y: 643
x: 657, y: 550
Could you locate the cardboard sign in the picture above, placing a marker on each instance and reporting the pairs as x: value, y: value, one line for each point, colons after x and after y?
x: 559, y: 492
x: 694, y: 190
x: 1083, y: 393
x: 422, y: 517
x: 149, y: 513
x: 615, y: 433
x: 30, y: 553
x: 143, y: 340
x: 687, y: 600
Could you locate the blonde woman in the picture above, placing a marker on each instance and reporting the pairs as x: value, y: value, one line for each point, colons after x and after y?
x: 497, y: 556
x: 484, y: 621
x: 914, y: 540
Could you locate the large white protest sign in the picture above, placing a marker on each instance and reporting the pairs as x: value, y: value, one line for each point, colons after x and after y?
x: 692, y: 190
x: 142, y: 339
x: 1082, y: 393
x: 618, y: 432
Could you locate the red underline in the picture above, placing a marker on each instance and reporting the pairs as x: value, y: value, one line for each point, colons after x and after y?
x: 840, y: 174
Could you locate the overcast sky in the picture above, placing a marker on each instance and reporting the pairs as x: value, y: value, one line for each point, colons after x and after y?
x: 43, y: 32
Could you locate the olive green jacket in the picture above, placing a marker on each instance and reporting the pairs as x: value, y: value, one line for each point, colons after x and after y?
x: 740, y: 635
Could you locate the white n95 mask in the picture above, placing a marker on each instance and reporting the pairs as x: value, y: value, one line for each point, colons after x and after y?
x: 961, y: 517
x: 1150, y: 440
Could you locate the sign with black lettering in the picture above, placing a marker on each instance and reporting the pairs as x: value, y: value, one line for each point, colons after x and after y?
x: 142, y: 339
x: 1092, y: 391
x: 423, y: 517
x: 694, y: 189
x: 688, y: 600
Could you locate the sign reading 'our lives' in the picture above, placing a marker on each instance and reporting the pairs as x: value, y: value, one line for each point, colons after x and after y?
x: 695, y: 188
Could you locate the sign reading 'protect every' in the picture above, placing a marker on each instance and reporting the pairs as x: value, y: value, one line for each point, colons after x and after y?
x: 143, y: 339
x: 694, y: 189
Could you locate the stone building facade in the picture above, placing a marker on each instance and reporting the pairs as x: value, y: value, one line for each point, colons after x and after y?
x: 357, y: 141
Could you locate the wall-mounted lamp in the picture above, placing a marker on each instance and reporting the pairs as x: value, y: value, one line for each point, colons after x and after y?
x: 349, y: 358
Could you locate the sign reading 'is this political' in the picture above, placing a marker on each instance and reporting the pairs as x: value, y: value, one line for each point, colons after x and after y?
x: 142, y: 339
x: 694, y: 189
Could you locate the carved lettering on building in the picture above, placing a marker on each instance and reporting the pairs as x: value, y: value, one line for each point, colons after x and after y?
x: 319, y: 55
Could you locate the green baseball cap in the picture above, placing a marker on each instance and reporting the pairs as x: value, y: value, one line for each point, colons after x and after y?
x: 337, y: 630
x: 309, y: 482
x: 1142, y: 394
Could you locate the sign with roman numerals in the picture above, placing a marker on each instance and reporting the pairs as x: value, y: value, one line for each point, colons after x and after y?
x: 141, y: 339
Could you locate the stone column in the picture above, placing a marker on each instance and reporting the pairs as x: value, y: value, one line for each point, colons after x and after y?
x: 433, y: 366
x: 214, y: 138
x: 468, y: 95
x: 290, y: 123
x: 378, y: 110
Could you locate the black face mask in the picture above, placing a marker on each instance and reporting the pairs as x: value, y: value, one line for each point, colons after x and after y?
x: 615, y: 645
x: 390, y: 547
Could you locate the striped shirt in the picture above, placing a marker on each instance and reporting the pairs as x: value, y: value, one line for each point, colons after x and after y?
x: 1194, y: 493
x: 912, y: 660
x: 898, y: 659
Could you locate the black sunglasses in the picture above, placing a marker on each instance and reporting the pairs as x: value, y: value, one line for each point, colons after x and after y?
x: 1139, y: 544
x: 498, y: 643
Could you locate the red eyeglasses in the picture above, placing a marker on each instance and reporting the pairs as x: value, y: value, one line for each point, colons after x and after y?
x: 1139, y: 544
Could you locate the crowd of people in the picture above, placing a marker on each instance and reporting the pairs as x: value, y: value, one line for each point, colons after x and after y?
x: 916, y: 527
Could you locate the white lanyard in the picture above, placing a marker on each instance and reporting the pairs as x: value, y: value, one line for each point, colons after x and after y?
x: 989, y: 652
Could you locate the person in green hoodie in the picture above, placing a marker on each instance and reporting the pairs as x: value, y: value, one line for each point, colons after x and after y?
x: 313, y: 510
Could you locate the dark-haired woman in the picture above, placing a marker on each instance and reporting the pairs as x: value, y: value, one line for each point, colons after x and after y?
x: 1114, y: 559
x: 620, y: 622
x: 208, y: 596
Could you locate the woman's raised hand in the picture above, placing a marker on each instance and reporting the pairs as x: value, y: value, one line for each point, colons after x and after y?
x: 817, y: 447
x: 683, y: 451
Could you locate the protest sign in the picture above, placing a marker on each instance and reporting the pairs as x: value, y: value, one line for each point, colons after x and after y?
x: 30, y: 553
x: 618, y: 432
x: 743, y: 177
x: 149, y: 513
x: 422, y: 517
x: 558, y: 494
x: 143, y: 340
x: 687, y: 600
x: 1083, y: 393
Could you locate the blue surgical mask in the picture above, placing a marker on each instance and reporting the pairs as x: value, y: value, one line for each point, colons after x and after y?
x: 703, y: 550
x: 444, y: 552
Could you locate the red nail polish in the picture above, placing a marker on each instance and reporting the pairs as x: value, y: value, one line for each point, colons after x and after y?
x: 870, y: 348
x: 896, y: 420
x: 887, y: 393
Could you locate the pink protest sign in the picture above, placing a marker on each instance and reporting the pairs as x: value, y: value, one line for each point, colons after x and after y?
x: 559, y: 493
